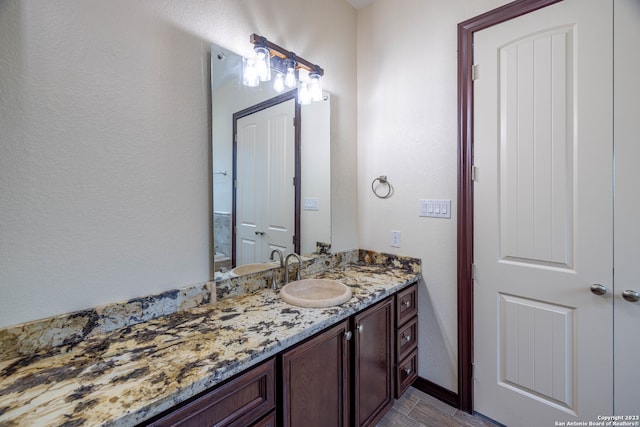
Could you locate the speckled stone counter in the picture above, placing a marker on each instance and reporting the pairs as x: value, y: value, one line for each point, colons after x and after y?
x: 133, y: 373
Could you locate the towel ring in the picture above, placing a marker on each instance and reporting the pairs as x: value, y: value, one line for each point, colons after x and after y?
x: 382, y: 179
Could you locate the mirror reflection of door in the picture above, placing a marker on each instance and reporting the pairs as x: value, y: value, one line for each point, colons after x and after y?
x: 264, y: 182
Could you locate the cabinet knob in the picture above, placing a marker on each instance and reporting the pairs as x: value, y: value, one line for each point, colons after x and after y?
x: 406, y: 303
x: 348, y: 335
x: 360, y: 328
x: 406, y: 338
x: 407, y: 370
x: 631, y: 295
x: 598, y: 289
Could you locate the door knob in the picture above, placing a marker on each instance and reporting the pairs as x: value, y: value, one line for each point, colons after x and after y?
x: 598, y: 289
x: 631, y: 295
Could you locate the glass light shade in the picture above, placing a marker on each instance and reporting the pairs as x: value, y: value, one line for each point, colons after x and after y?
x: 304, y: 95
x: 278, y: 83
x: 263, y: 63
x: 290, y: 78
x: 249, y: 72
x: 315, y: 88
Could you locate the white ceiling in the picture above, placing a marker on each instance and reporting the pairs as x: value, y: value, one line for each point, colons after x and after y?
x: 359, y: 4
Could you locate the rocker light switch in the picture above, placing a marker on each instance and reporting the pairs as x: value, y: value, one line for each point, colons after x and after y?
x: 310, y: 204
x: 435, y: 208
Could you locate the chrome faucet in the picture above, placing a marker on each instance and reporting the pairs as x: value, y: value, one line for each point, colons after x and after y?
x: 274, y: 284
x: 286, y: 267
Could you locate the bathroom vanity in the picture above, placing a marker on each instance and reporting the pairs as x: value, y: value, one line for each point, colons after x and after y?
x: 342, y: 376
x: 248, y: 359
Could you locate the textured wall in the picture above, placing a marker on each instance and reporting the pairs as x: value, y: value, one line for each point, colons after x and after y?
x: 105, y: 189
x: 407, y: 121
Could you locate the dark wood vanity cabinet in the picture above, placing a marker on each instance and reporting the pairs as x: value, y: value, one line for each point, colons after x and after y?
x: 247, y: 400
x: 373, y: 363
x: 315, y: 380
x: 406, y: 338
x: 326, y: 382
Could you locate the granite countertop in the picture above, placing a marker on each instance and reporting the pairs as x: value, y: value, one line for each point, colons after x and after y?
x: 131, y: 374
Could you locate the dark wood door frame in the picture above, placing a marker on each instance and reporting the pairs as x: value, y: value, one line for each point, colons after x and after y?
x: 465, y: 184
x: 292, y: 94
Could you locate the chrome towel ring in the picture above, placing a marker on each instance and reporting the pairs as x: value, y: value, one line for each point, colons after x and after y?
x: 382, y: 181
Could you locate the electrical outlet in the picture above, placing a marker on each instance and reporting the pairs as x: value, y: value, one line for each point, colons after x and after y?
x: 395, y: 239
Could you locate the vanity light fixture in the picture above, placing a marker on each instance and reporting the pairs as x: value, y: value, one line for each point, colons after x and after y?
x: 304, y: 95
x: 249, y: 72
x: 286, y: 65
x: 278, y: 84
x: 315, y: 88
x: 291, y: 79
x: 263, y: 62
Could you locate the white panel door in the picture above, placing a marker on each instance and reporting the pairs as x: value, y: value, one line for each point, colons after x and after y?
x: 250, y: 151
x: 626, y: 208
x: 265, y: 170
x: 543, y: 216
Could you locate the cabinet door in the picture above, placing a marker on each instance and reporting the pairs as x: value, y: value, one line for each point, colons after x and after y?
x: 373, y: 363
x: 315, y: 381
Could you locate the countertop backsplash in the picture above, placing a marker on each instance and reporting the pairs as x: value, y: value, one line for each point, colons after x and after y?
x: 43, y: 335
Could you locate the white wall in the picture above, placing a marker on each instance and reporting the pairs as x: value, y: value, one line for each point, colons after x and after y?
x: 315, y: 151
x: 105, y: 189
x: 407, y: 121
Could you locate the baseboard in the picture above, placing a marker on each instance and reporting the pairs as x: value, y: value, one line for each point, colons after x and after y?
x: 437, y: 391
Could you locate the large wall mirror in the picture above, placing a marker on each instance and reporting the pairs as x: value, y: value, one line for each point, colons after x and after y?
x: 262, y: 200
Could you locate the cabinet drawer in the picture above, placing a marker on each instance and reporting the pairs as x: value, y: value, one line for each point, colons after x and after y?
x: 268, y: 421
x: 406, y: 304
x: 406, y: 373
x: 237, y: 403
x: 407, y: 338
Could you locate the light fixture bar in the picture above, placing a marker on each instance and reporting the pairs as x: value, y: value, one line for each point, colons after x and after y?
x: 281, y: 52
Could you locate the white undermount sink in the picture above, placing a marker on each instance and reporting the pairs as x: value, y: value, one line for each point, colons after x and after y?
x: 315, y: 293
x: 241, y: 270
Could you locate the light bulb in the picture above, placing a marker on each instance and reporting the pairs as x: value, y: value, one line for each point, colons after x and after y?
x: 315, y: 89
x: 249, y: 72
x: 263, y: 63
x: 290, y: 78
x: 278, y: 84
x: 304, y: 96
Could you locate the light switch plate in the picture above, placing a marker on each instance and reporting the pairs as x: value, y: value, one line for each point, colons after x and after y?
x: 310, y: 203
x: 434, y: 208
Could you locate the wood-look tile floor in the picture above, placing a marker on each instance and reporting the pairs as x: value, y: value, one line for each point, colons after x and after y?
x: 418, y: 409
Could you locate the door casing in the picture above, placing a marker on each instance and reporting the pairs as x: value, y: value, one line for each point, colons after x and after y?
x: 297, y: 158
